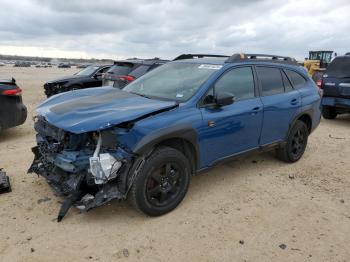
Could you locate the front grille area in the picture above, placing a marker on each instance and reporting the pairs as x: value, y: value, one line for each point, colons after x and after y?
x: 45, y: 129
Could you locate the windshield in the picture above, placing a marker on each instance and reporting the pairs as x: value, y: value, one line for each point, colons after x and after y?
x: 173, y: 81
x: 87, y: 71
x: 340, y: 67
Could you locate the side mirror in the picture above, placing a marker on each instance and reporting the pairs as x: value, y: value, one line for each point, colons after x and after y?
x: 224, y: 99
x: 98, y: 76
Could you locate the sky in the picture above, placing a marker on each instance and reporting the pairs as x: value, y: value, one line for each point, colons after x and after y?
x: 118, y: 29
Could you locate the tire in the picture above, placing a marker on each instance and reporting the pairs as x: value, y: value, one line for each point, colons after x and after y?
x: 162, y: 182
x: 296, y: 143
x: 329, y: 112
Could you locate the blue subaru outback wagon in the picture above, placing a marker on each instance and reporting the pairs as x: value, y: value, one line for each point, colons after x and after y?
x: 144, y: 142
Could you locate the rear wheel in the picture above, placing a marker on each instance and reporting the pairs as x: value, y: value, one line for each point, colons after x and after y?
x: 296, y: 143
x: 329, y: 112
x: 162, y: 182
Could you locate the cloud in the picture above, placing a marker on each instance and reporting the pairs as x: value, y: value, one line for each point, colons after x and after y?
x: 119, y: 29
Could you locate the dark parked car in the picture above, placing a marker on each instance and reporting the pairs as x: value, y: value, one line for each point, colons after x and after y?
x: 146, y: 140
x: 64, y: 65
x: 126, y: 71
x: 22, y: 64
x: 88, y: 77
x: 12, y: 110
x: 336, y: 88
x: 83, y: 66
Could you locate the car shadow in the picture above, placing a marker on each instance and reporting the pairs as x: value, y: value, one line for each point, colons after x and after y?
x: 12, y: 134
x: 340, y: 120
x: 210, y: 180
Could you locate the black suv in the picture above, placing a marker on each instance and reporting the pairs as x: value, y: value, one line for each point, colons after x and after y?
x: 88, y: 77
x: 125, y: 71
x: 336, y: 88
x: 12, y: 110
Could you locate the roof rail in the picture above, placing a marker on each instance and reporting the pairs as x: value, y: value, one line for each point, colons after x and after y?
x: 235, y: 58
x: 191, y: 56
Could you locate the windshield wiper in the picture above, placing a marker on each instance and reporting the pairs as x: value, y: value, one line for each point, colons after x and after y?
x: 141, y: 95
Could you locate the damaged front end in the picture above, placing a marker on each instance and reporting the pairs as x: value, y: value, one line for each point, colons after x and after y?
x: 88, y: 169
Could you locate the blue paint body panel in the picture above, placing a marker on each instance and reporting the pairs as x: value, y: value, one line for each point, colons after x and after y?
x: 95, y: 109
x: 239, y: 127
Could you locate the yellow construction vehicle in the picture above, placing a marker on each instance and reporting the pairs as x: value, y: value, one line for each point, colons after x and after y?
x: 317, y: 63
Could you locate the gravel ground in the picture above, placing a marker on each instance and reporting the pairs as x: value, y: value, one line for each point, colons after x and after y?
x: 252, y: 209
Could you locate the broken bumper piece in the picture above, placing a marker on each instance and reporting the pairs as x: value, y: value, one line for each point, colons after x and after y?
x: 79, y: 189
x: 106, y: 194
x: 5, y: 186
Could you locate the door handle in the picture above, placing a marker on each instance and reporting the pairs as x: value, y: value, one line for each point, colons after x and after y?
x: 294, y: 102
x: 255, y: 110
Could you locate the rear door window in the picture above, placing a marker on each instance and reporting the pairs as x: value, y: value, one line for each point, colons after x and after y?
x: 297, y: 80
x: 339, y: 67
x: 271, y: 80
x: 103, y: 70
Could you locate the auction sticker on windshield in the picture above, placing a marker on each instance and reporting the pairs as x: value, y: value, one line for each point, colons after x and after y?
x: 207, y: 66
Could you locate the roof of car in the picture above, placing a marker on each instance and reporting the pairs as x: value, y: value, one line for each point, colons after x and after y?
x: 237, y: 59
x: 342, y: 56
x: 141, y: 61
x: 206, y: 60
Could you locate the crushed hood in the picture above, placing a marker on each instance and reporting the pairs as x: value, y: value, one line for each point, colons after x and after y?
x: 98, y: 108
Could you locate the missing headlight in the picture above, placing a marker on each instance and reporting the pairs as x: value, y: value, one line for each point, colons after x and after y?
x: 103, y: 166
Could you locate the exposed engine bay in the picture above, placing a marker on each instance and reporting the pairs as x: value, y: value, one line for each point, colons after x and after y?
x: 88, y: 169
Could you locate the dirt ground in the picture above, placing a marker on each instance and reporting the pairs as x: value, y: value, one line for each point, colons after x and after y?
x: 252, y: 209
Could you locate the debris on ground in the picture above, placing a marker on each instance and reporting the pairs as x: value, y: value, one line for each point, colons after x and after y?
x: 334, y: 137
x: 43, y: 200
x: 283, y: 246
x: 125, y: 252
x: 5, y: 185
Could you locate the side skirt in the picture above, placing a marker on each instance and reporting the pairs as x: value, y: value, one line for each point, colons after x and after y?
x: 262, y: 148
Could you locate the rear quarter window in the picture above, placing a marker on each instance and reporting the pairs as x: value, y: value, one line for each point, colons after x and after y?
x: 298, y: 81
x: 271, y: 80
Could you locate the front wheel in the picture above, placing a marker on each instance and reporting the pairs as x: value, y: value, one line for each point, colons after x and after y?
x: 296, y: 143
x: 162, y: 182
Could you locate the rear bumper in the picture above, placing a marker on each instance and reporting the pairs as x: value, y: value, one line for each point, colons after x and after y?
x: 18, y: 117
x: 336, y: 102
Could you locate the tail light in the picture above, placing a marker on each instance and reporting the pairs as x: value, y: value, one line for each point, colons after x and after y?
x: 127, y: 78
x: 319, y: 83
x: 12, y: 92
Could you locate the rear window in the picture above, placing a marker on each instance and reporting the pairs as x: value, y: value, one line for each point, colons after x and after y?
x: 121, y: 69
x: 139, y: 71
x: 339, y: 67
x: 271, y: 80
x: 297, y: 80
